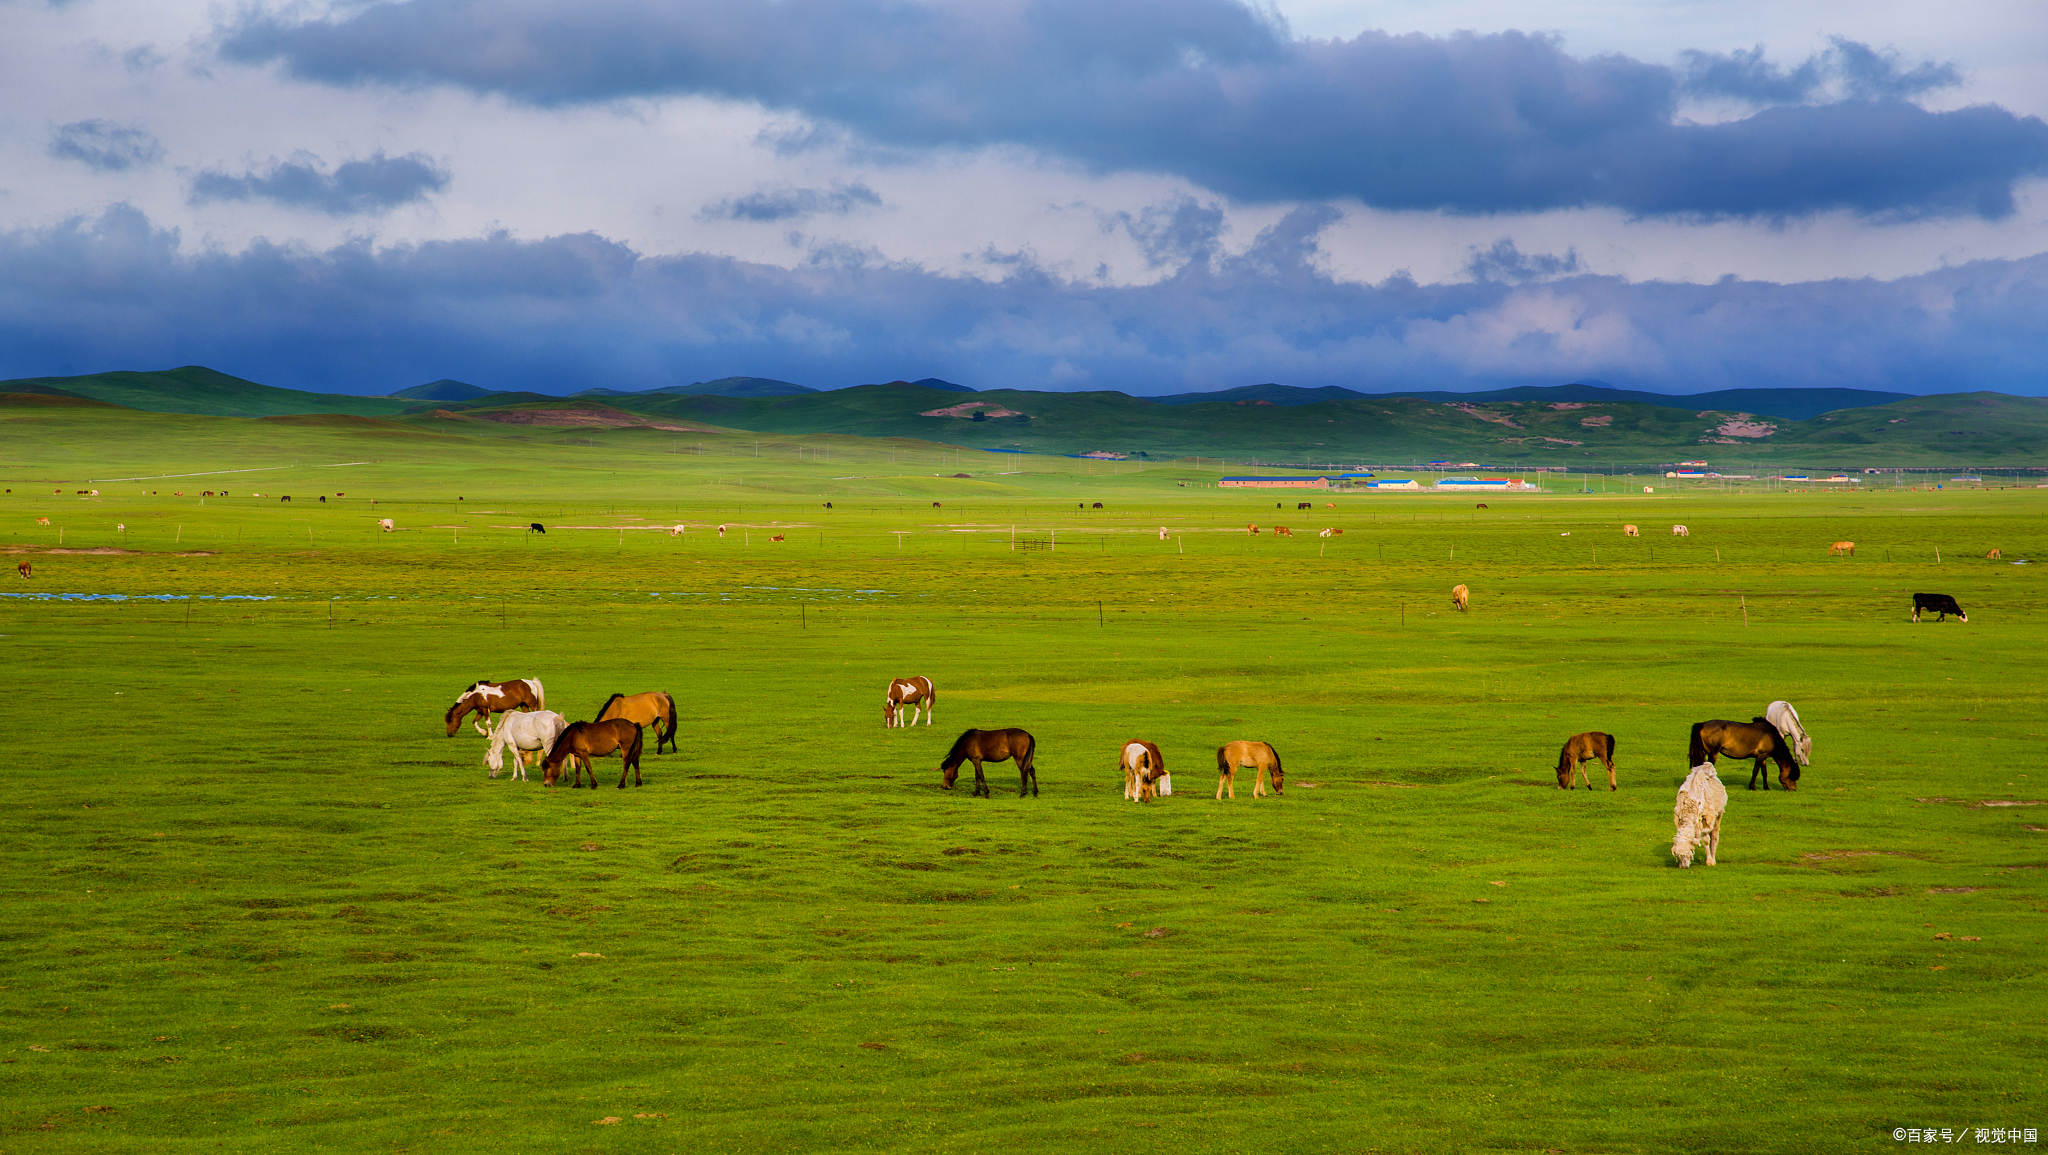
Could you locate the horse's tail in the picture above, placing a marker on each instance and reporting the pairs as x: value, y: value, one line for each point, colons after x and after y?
x: 1222, y: 760
x: 1696, y: 752
x: 540, y: 693
x: 670, y: 736
x: 1611, y: 743
x: 599, y: 716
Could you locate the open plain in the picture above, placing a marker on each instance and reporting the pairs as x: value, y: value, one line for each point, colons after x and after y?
x: 256, y: 900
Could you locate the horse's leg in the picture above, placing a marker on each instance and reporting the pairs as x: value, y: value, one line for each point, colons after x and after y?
x: 1611, y: 783
x: 980, y: 783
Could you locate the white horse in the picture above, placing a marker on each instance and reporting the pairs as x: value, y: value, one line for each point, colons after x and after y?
x: 677, y: 530
x: 1680, y: 531
x: 520, y: 731
x: 1786, y: 719
x: 1698, y: 814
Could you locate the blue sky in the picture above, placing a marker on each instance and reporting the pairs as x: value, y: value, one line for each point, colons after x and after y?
x: 1147, y: 195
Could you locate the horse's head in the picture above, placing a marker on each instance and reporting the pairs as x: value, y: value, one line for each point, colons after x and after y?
x: 952, y: 774
x: 462, y: 706
x: 495, y: 760
x: 1279, y: 777
x: 889, y: 712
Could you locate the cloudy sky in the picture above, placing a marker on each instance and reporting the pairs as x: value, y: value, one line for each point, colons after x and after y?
x: 1146, y: 195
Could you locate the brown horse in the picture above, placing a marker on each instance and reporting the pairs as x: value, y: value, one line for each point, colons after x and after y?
x: 1756, y: 739
x: 650, y: 709
x: 583, y: 741
x: 1144, y: 770
x: 487, y: 698
x: 24, y: 569
x: 978, y: 746
x: 1582, y: 748
x: 1264, y: 760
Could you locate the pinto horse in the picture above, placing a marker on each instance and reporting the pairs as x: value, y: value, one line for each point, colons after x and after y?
x: 1144, y: 771
x: 1756, y: 739
x: 978, y: 746
x: 1260, y: 756
x: 583, y: 741
x: 487, y: 698
x: 1580, y: 749
x: 650, y: 709
x: 909, y: 692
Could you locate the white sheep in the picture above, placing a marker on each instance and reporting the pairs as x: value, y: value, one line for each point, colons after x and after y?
x: 1698, y: 814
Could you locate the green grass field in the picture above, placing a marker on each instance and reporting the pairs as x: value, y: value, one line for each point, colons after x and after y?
x: 256, y: 901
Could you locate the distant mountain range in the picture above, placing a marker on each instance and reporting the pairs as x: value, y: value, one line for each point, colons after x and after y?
x: 1580, y: 424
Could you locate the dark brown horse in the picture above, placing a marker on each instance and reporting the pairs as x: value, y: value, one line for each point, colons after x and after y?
x: 1756, y: 739
x: 1582, y: 748
x: 653, y: 708
x: 583, y: 741
x: 978, y: 746
x: 487, y: 698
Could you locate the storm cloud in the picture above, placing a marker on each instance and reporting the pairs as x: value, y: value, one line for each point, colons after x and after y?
x: 1218, y: 92
x: 567, y: 312
x: 357, y: 187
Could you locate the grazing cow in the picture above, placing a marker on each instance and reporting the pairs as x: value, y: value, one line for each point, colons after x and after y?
x: 1304, y: 505
x: 912, y: 692
x: 520, y: 732
x: 1680, y: 531
x: 384, y: 523
x: 1938, y: 604
x: 536, y: 527
x: 1697, y: 814
x: 42, y: 521
x: 1253, y: 528
x: 1995, y: 554
x: 1144, y: 771
x: 1461, y: 597
x: 1260, y: 756
x: 24, y: 569
x: 1580, y: 749
x: 777, y: 537
x: 677, y: 530
x: 1631, y: 531
x: 1842, y: 548
x: 1282, y: 531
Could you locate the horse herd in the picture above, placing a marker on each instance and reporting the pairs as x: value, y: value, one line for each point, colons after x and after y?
x: 524, y: 725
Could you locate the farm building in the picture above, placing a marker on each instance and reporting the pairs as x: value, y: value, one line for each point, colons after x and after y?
x: 1393, y: 483
x: 1466, y: 484
x: 1274, y: 482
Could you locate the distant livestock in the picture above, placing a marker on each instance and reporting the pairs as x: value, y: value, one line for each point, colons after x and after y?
x: 1842, y: 549
x: 286, y: 497
x: 24, y: 569
x: 1680, y: 531
x: 1941, y: 604
x: 1697, y: 815
x: 1282, y: 531
x: 935, y: 505
x: 828, y: 505
x: 777, y: 537
x: 1329, y: 531
x: 536, y: 527
x: 1995, y: 554
x: 721, y: 531
x: 95, y: 493
x: 677, y: 530
x: 1162, y: 533
x: 323, y: 499
x: 1461, y: 597
x: 1098, y: 505
x: 384, y: 523
x: 1253, y: 528
x: 121, y: 527
x: 42, y: 521
x: 1631, y: 531
x: 1482, y: 505
x: 1304, y: 505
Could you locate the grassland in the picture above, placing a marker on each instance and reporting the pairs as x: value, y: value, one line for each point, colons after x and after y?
x: 256, y: 901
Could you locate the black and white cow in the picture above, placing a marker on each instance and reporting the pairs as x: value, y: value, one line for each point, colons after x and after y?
x: 1938, y: 604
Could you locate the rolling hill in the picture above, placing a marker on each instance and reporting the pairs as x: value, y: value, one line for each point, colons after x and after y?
x: 723, y: 387
x: 198, y: 390
x: 443, y: 390
x: 1786, y: 404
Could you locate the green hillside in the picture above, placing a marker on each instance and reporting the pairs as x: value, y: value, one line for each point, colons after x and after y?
x: 197, y: 389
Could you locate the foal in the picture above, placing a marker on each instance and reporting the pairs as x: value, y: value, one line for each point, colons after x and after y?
x: 1580, y: 749
x: 1264, y: 760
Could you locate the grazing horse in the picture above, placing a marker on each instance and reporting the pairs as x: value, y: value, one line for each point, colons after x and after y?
x: 42, y: 521
x: 912, y: 692
x: 1631, y: 531
x: 653, y: 708
x: 1282, y: 531
x: 536, y: 527
x: 935, y: 505
x: 1756, y: 739
x: 678, y: 530
x: 487, y: 698
x: 1941, y: 604
x: 1162, y: 533
x: 1995, y: 554
x: 1680, y: 531
x: 519, y: 732
x: 777, y: 537
x: 1786, y: 719
x: 1461, y: 597
x: 1144, y: 771
x: 583, y: 741
x: 384, y: 523
x: 1842, y: 549
x: 1697, y: 814
x: 24, y: 569
x: 1330, y: 531
x: 978, y: 746
x: 1253, y: 528
x: 1304, y: 505
x: 1260, y: 756
x: 1580, y: 749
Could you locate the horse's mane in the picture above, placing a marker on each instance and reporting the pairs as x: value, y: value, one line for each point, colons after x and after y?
x: 959, y: 750
x: 607, y: 705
